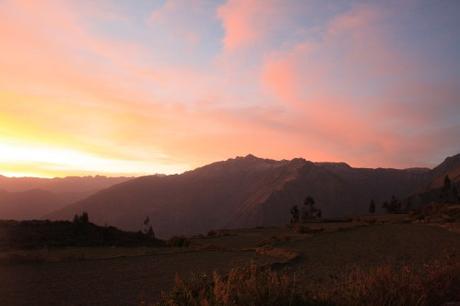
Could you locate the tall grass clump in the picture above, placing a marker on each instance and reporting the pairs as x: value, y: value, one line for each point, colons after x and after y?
x: 250, y: 285
x: 433, y: 284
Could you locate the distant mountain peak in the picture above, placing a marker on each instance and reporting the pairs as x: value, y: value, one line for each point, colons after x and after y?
x: 337, y: 165
x: 248, y: 157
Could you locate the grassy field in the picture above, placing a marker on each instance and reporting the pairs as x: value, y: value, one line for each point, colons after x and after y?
x: 129, y: 276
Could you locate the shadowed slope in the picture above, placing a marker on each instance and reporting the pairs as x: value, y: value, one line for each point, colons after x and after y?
x: 31, y: 198
x: 31, y: 204
x: 244, y: 192
x: 193, y: 202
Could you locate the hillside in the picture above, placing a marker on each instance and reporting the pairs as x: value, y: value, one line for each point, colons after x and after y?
x: 435, y: 191
x: 244, y: 192
x: 450, y: 166
x: 69, y: 184
x: 32, y: 198
x: 193, y: 202
x: 40, y: 234
x: 30, y: 204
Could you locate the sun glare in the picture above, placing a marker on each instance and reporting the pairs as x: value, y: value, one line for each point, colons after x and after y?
x: 43, y: 161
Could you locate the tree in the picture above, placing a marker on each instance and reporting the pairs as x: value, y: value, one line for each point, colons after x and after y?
x: 386, y: 206
x: 295, y: 214
x: 146, y: 221
x: 84, y: 217
x: 309, y: 201
x: 449, y: 191
x: 394, y: 206
x: 319, y: 213
x: 151, y: 233
x: 372, y: 207
x: 309, y: 210
x: 447, y: 184
x: 148, y: 230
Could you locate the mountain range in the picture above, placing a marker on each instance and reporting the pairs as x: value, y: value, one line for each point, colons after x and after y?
x: 250, y: 191
x: 32, y: 198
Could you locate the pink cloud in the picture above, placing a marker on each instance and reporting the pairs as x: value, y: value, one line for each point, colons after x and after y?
x: 315, y: 97
x: 248, y: 22
x: 325, y: 81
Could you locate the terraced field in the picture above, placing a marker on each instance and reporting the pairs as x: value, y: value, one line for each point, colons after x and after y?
x: 132, y: 276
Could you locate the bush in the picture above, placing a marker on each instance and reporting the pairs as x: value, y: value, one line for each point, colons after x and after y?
x: 179, y: 241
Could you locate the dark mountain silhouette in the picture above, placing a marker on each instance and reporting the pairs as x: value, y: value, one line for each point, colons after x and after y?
x: 246, y: 192
x: 31, y: 198
x: 40, y: 233
x: 435, y: 191
x: 451, y: 167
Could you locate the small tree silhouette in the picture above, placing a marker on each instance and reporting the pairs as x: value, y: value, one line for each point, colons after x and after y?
x: 386, y: 206
x: 151, y: 233
x: 447, y: 184
x: 372, y: 207
x: 394, y: 206
x: 295, y: 214
x: 148, y: 230
x: 83, y: 219
x: 319, y: 213
x: 449, y: 191
x: 309, y: 210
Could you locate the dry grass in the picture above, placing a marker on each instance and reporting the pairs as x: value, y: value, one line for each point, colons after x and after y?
x: 284, y: 254
x: 242, y: 286
x: 434, y: 284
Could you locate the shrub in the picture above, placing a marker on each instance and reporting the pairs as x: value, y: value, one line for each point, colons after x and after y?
x: 302, y: 229
x: 178, y: 241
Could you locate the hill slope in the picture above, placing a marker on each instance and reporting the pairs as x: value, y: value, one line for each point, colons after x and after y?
x: 32, y: 198
x: 70, y: 184
x: 242, y: 192
x: 30, y: 204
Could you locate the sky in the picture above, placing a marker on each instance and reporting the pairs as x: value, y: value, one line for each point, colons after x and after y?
x: 138, y: 87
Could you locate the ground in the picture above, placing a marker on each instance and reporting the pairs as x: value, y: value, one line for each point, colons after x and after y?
x: 130, y: 276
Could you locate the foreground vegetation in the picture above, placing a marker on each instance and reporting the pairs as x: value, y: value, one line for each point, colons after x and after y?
x: 434, y: 284
x: 79, y: 233
x: 371, y: 260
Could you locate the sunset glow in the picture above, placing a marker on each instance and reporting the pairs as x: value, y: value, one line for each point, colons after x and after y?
x: 141, y: 87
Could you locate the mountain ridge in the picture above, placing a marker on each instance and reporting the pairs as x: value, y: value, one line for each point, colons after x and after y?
x: 245, y: 191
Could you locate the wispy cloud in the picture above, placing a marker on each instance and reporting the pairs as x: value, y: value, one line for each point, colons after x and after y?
x: 171, y: 85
